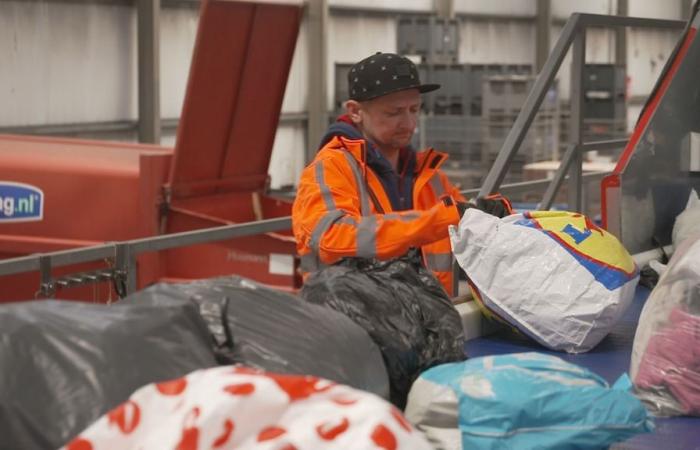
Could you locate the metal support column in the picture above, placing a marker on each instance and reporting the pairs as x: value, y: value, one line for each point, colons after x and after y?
x: 559, y: 176
x: 686, y: 9
x: 621, y: 35
x: 318, y: 62
x: 576, y: 125
x: 542, y: 32
x: 46, y: 286
x: 444, y: 9
x: 148, y: 12
x: 527, y: 113
x: 126, y: 275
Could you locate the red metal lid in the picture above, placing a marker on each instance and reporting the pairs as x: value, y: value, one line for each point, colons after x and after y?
x: 242, y: 55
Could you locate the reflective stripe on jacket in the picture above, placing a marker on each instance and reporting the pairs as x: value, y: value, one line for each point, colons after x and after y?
x: 341, y: 210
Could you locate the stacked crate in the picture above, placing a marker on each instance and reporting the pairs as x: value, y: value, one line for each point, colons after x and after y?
x: 450, y: 125
x: 452, y: 120
x: 503, y: 97
x: 468, y: 117
x: 430, y: 38
x: 460, y: 137
x: 604, y: 104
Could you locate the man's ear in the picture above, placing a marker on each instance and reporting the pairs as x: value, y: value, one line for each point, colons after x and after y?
x: 353, y: 107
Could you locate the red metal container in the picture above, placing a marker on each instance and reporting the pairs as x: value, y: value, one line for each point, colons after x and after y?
x: 96, y: 192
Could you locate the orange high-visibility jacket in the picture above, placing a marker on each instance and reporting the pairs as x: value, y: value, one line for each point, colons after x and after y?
x: 341, y: 209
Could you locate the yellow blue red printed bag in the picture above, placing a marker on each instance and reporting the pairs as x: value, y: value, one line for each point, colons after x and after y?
x: 553, y: 275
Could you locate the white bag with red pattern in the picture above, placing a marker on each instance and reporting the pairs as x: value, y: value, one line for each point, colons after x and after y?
x: 236, y: 407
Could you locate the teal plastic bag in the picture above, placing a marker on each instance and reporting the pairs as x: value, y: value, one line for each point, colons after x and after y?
x: 532, y: 400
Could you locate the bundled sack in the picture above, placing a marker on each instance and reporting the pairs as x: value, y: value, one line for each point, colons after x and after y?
x: 64, y: 364
x: 665, y: 364
x: 242, y: 408
x: 553, y: 275
x: 523, y: 401
x: 278, y: 332
x: 403, y: 308
x: 688, y: 222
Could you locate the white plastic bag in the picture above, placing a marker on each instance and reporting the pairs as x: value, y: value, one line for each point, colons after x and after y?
x: 688, y: 222
x: 665, y: 364
x: 553, y: 275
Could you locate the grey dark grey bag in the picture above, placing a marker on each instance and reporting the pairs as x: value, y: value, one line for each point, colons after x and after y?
x: 278, y: 332
x: 64, y: 364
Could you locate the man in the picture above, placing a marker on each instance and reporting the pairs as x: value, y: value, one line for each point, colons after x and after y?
x: 367, y: 193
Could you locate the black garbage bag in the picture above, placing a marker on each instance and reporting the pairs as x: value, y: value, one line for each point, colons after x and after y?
x: 402, y: 307
x: 64, y: 364
x: 278, y: 332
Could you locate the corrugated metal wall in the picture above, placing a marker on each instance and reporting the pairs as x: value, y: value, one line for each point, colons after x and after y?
x: 496, y: 41
x: 525, y: 8
x: 66, y: 62
x: 352, y: 37
x: 178, y: 28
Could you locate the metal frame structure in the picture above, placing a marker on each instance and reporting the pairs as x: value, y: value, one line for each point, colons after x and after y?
x: 168, y: 126
x: 148, y: 19
x: 573, y: 34
x: 574, y: 154
x: 123, y: 255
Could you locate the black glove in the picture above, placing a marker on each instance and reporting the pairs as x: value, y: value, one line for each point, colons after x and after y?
x: 462, y: 207
x: 496, y: 205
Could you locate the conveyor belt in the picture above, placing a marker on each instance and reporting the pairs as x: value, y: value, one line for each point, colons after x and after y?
x: 609, y: 359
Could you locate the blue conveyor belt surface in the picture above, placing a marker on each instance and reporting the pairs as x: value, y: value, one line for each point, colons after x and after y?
x: 609, y: 359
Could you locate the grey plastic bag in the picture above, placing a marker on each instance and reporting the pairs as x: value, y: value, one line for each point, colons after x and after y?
x: 278, y: 332
x: 64, y: 364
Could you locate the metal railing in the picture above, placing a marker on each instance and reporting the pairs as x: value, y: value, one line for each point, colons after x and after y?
x: 123, y: 254
x: 573, y: 34
x: 571, y: 154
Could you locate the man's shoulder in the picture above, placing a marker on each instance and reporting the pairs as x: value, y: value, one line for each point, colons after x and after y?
x: 331, y: 157
x: 330, y: 151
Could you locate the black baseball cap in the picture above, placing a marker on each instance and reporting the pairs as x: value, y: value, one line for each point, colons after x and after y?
x: 384, y: 73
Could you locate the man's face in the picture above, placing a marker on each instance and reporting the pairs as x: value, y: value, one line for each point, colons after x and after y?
x: 390, y: 120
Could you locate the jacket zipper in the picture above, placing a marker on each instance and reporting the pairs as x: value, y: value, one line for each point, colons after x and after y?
x: 371, y: 193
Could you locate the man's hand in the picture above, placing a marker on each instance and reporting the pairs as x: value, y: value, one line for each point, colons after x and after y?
x: 496, y: 205
x: 462, y: 207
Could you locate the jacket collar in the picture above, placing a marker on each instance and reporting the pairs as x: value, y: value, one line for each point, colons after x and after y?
x: 344, y: 134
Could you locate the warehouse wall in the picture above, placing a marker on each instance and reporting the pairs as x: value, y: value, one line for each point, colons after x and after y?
x: 647, y: 49
x: 75, y: 62
x: 510, y: 8
x: 66, y: 62
x: 288, y: 151
x: 496, y: 41
x: 178, y: 27
x: 352, y: 37
x: 384, y: 5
